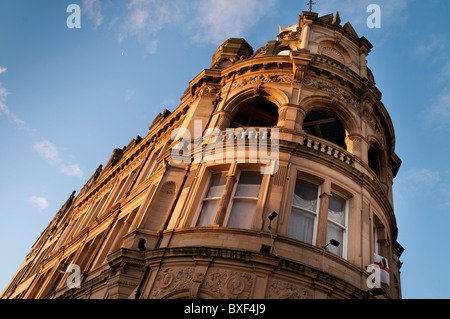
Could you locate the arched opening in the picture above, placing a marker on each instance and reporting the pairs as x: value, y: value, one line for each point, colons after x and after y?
x: 325, y: 126
x: 374, y: 160
x: 283, y: 50
x: 256, y: 112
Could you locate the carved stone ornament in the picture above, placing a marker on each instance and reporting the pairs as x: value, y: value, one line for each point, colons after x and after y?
x: 260, y: 79
x: 289, y: 36
x: 283, y: 113
x: 170, y: 280
x: 334, y: 53
x: 278, y: 289
x: 208, y: 91
x: 335, y: 91
x: 376, y: 127
x: 260, y: 52
x: 229, y: 284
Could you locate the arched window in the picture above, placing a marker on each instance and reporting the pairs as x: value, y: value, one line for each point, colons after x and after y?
x: 374, y: 160
x: 256, y: 112
x: 325, y: 126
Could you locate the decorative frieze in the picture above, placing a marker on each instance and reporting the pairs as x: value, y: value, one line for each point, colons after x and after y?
x: 373, y: 123
x: 206, y: 90
x: 279, y: 289
x: 335, y: 91
x: 259, y: 79
x: 229, y: 284
x: 170, y: 280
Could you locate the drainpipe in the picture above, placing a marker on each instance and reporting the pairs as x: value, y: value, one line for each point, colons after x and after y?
x: 144, y: 276
x: 142, y: 248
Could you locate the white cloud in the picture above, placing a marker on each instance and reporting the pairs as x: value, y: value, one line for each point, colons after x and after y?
x: 20, y: 124
x: 211, y: 21
x: 5, y: 110
x: 45, y: 148
x: 437, y: 115
x: 392, y: 12
x: 168, y: 104
x: 424, y: 177
x: 151, y: 46
x: 93, y: 10
x: 129, y: 94
x: 424, y: 184
x: 112, y: 23
x: 145, y: 18
x: 218, y: 20
x: 418, y: 182
x: 445, y: 72
x: 434, y: 44
x: 40, y: 203
x: 3, y: 94
x: 443, y: 77
x: 48, y: 150
x: 442, y: 109
x: 72, y: 170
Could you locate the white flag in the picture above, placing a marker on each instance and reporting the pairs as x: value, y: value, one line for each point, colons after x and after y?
x: 384, y: 268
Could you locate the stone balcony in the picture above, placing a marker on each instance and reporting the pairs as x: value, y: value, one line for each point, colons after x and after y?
x: 250, y: 139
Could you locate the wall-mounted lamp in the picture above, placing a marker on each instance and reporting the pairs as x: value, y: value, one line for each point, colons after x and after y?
x: 272, y: 217
x: 332, y: 242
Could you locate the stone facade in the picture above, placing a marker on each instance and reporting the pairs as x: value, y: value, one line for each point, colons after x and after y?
x: 147, y: 226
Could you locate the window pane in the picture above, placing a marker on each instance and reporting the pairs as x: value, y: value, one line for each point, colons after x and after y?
x: 219, y: 179
x: 375, y: 240
x: 301, y: 226
x: 215, y: 191
x: 208, y: 213
x: 217, y: 185
x: 247, y: 191
x: 305, y: 195
x: 336, y: 210
x: 250, y: 178
x: 336, y: 233
x: 242, y: 214
x: 249, y: 184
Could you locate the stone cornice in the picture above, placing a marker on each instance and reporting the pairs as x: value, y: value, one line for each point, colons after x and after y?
x: 265, y: 63
x: 129, y: 157
x: 271, y: 262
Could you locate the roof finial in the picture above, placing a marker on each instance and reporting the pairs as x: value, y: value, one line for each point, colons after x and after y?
x: 337, y: 19
x: 310, y: 4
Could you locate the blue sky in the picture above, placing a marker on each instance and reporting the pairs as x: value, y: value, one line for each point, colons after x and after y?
x: 68, y: 97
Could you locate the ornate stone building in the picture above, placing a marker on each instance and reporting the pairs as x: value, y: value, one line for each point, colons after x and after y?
x: 149, y: 225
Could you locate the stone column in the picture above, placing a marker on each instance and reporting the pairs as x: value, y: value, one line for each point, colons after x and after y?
x: 223, y: 204
x: 354, y: 144
x: 291, y: 117
x: 306, y: 20
x: 323, y: 214
x: 363, y: 62
x: 305, y: 36
x: 364, y: 50
x: 224, y: 120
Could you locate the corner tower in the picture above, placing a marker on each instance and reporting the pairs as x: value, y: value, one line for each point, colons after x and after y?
x: 152, y: 224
